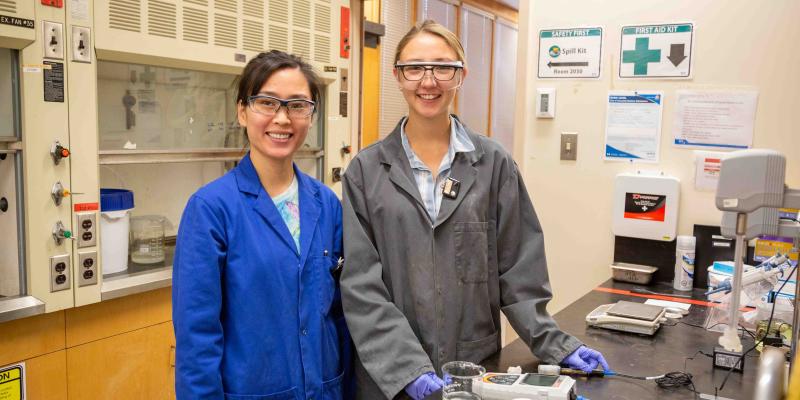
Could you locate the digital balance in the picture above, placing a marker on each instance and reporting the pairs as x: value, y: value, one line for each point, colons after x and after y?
x: 500, y: 386
x: 628, y: 316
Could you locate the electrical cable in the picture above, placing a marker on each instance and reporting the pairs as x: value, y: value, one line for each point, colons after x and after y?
x: 670, y: 380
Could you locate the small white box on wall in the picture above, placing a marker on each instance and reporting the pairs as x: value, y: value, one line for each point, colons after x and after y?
x: 546, y: 103
x: 646, y: 205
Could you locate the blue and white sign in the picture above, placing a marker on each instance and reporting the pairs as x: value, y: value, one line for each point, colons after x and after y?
x: 633, y: 125
x: 656, y: 51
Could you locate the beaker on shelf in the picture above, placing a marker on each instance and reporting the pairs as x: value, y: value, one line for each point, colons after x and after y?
x: 147, y: 239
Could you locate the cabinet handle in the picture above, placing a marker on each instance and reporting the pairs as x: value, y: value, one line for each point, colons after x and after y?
x: 172, y: 356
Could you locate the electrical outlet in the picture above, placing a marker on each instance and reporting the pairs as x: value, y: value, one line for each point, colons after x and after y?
x: 87, y: 268
x: 53, y: 40
x: 86, y: 229
x: 81, y: 44
x: 59, y: 273
x: 569, y: 146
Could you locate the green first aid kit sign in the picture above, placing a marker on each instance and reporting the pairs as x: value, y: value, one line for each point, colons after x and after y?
x: 656, y: 51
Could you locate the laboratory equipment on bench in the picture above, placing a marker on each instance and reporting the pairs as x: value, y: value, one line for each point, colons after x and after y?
x: 758, y: 280
x: 500, y: 386
x: 752, y: 185
x: 628, y: 316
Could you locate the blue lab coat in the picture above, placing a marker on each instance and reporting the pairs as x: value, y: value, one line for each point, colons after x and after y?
x: 254, y: 318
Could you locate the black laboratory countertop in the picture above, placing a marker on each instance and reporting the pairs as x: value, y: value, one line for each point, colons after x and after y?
x: 668, y: 350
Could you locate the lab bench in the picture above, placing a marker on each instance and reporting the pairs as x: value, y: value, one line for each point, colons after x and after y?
x: 672, y: 348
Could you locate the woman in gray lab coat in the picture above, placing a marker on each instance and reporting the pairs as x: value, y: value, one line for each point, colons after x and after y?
x: 440, y: 237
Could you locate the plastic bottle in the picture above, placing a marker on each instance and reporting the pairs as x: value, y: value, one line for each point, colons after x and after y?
x: 684, y: 263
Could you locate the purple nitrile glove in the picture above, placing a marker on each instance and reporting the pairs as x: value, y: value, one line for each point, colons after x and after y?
x: 424, y: 385
x: 585, y: 359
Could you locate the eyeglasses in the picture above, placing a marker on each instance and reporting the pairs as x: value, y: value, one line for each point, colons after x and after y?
x: 441, y: 71
x: 269, y: 106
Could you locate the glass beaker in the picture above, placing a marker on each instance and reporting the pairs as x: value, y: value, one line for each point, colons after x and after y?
x: 460, y: 380
x: 147, y: 239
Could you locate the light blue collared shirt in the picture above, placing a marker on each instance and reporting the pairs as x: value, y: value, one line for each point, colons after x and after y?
x: 431, y: 191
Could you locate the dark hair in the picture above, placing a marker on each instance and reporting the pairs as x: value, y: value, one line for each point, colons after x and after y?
x: 262, y: 66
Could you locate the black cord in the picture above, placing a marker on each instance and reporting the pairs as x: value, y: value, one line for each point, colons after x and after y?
x: 641, y: 378
x: 676, y: 380
x: 748, y: 332
x: 769, y: 324
x: 697, y: 326
x: 671, y: 380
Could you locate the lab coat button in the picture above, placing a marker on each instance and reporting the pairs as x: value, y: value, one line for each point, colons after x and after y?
x: 305, y: 332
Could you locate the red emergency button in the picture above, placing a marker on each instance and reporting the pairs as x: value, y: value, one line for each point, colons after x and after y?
x: 57, y: 151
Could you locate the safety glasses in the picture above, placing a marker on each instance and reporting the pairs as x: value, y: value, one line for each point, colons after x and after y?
x: 441, y: 71
x: 269, y: 106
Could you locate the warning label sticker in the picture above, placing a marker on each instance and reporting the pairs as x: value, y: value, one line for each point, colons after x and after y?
x: 650, y: 207
x: 12, y: 382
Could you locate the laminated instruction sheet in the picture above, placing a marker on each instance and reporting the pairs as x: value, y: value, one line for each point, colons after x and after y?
x: 633, y: 125
x: 715, y: 119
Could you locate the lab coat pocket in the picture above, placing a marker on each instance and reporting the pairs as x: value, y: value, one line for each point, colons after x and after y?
x: 326, y: 286
x: 332, y: 389
x: 477, y: 350
x: 471, y: 251
x: 283, y: 395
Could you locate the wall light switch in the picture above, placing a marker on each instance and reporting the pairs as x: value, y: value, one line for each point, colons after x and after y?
x: 53, y: 40
x: 81, y: 44
x: 545, y: 102
x: 569, y: 146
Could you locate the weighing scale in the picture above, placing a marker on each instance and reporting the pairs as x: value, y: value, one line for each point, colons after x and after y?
x: 627, y: 316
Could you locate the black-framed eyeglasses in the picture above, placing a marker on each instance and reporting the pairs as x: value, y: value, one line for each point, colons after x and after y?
x: 269, y: 106
x: 441, y: 71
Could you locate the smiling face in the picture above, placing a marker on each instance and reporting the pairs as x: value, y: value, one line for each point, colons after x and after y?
x: 428, y: 98
x: 276, y: 137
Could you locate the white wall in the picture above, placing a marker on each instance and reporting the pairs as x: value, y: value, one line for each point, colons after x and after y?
x: 739, y: 44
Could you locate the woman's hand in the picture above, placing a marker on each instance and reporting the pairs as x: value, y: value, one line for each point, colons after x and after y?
x: 586, y: 360
x: 424, y: 385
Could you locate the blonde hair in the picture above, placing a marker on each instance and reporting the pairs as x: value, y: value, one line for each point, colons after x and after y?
x: 434, y: 28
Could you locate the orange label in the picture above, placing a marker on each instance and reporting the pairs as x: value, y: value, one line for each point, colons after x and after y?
x: 86, y: 207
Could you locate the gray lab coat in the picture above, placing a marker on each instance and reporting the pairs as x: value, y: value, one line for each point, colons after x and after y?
x: 416, y: 296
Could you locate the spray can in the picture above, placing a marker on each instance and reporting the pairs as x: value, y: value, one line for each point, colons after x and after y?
x: 684, y: 263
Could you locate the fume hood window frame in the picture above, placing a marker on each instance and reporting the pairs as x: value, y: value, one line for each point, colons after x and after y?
x: 11, y: 147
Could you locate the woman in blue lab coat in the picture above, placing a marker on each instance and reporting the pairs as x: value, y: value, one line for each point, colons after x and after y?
x: 256, y: 306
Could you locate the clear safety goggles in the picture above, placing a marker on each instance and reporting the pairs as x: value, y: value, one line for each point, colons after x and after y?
x: 269, y: 106
x: 440, y: 71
